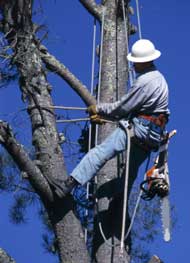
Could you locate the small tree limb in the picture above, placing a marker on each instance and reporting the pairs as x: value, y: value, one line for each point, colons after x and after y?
x: 5, y: 258
x: 155, y: 259
x: 93, y: 8
x: 56, y: 66
x: 23, y: 161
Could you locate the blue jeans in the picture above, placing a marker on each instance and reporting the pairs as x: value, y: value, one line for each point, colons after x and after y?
x: 114, y: 144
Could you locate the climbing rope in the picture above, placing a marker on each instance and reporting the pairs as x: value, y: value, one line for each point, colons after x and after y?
x: 98, y: 93
x: 128, y: 132
x: 127, y: 43
x: 137, y: 203
x: 98, y: 100
x: 100, y: 68
x: 90, y: 126
x: 125, y: 189
x: 138, y: 19
x: 123, y: 236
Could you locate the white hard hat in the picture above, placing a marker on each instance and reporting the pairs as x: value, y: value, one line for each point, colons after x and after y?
x: 143, y: 50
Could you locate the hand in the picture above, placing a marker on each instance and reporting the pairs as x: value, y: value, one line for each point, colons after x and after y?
x: 92, y: 110
x: 97, y: 119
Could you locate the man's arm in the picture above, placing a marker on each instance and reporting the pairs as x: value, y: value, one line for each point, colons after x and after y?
x: 131, y: 102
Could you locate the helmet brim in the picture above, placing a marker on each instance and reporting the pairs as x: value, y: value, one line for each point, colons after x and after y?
x: 152, y: 57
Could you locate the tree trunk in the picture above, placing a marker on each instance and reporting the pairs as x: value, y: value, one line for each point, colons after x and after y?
x: 36, y: 92
x: 49, y: 163
x: 113, y: 85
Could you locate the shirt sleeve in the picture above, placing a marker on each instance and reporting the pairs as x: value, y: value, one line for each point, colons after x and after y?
x: 129, y: 103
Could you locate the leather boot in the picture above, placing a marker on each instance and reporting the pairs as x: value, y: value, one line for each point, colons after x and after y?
x: 65, y: 187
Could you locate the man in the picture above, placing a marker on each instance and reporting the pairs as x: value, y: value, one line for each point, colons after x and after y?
x: 145, y: 106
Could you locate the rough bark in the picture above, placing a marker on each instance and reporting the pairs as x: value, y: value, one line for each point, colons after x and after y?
x: 113, y: 85
x: 24, y: 162
x: 36, y: 92
x: 5, y: 258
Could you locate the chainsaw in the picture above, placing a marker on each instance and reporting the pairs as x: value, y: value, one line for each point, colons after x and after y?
x: 157, y: 183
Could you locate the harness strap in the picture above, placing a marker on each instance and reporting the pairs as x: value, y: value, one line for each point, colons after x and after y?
x: 159, y: 120
x: 147, y: 147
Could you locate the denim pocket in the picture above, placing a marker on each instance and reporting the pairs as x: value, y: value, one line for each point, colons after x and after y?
x: 147, y: 132
x: 154, y: 137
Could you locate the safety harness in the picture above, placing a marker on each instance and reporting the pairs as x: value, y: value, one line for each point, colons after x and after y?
x: 159, y: 123
x: 159, y: 120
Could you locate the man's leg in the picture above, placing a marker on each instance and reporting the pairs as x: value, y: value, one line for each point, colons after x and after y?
x: 93, y: 161
x: 99, y: 155
x: 137, y: 158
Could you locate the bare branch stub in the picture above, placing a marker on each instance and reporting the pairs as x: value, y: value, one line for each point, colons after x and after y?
x: 5, y: 257
x: 23, y: 161
x: 93, y: 8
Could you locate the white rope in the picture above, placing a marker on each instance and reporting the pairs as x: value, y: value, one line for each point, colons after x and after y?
x: 134, y: 212
x: 56, y: 108
x: 136, y: 205
x: 140, y: 193
x: 93, y: 58
x: 90, y: 126
x: 138, y: 19
x: 98, y: 100
x: 101, y: 55
x: 125, y: 190
x: 127, y: 43
x: 66, y: 108
x: 125, y: 25
x: 103, y: 235
x: 123, y: 236
x: 100, y: 68
x: 72, y: 120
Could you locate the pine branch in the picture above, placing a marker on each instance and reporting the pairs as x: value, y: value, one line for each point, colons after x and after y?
x: 56, y: 66
x: 23, y: 161
x: 92, y: 8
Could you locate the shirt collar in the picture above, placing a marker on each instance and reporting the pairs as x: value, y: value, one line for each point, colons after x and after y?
x: 152, y: 68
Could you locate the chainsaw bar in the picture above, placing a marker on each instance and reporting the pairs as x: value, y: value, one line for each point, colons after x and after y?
x: 165, y: 216
x: 165, y: 211
x: 157, y: 183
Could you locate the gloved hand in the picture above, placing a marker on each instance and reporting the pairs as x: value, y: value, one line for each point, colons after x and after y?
x: 92, y: 110
x: 97, y: 119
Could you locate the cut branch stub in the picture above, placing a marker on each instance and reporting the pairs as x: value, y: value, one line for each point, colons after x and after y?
x: 23, y: 161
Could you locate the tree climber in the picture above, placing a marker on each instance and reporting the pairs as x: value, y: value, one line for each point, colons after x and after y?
x: 145, y: 106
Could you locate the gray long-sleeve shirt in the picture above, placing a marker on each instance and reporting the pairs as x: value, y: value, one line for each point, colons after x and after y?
x: 148, y: 95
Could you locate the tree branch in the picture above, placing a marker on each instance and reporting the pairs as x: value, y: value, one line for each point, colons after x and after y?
x: 93, y: 8
x: 155, y: 259
x: 23, y: 161
x: 5, y: 258
x: 54, y: 65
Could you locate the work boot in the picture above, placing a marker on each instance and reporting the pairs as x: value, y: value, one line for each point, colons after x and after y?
x: 65, y: 187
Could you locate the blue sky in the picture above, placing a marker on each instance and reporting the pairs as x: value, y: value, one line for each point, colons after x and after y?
x: 70, y: 39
